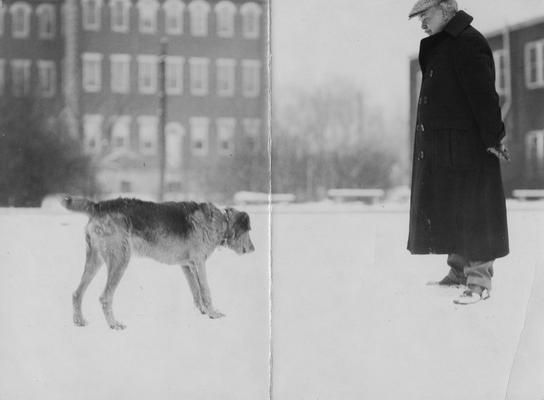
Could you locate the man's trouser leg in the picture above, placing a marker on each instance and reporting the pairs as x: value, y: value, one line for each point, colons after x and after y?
x: 457, y: 264
x: 479, y: 273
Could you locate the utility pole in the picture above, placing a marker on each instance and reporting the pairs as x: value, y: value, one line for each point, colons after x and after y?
x: 162, y: 115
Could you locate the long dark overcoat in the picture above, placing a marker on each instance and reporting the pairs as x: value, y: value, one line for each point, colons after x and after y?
x: 457, y: 203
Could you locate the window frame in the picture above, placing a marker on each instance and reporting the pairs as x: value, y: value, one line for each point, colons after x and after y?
x: 174, y: 63
x: 251, y: 133
x: 47, y: 70
x: 225, y: 128
x: 251, y: 20
x: 147, y: 11
x: 173, y: 10
x: 251, y: 78
x: 120, y: 85
x: 538, y: 46
x: 25, y: 66
x: 125, y: 15
x: 46, y: 13
x: 26, y: 9
x: 204, y: 123
x: 152, y: 61
x: 86, y: 12
x: 174, y: 129
x: 120, y: 129
x: 93, y: 120
x: 148, y: 132
x: 225, y: 17
x: 195, y: 64
x: 93, y: 60
x: 225, y: 73
x: 199, y: 11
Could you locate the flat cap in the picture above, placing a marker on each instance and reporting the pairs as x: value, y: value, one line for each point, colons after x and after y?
x: 422, y: 5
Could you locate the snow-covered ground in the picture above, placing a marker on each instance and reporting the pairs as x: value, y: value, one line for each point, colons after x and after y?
x: 168, y: 351
x: 352, y: 316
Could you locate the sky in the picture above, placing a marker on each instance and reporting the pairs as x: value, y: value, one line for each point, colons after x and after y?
x: 367, y: 43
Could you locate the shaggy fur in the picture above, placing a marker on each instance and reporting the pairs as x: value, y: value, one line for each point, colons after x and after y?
x: 182, y: 233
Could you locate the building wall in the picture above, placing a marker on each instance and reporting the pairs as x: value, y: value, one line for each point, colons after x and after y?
x: 195, y: 171
x: 33, y: 48
x: 95, y: 115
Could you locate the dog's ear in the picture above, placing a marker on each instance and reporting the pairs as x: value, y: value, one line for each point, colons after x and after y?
x: 241, y: 222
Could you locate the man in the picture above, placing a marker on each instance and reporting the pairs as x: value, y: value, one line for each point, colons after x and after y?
x: 457, y: 204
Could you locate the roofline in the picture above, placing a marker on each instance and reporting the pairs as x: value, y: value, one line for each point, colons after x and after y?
x: 517, y: 26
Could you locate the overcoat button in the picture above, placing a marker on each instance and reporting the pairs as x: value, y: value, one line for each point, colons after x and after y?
x: 431, y: 73
x: 421, y: 155
x: 425, y: 100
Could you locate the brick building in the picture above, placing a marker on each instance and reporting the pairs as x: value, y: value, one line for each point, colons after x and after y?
x: 97, y: 62
x: 518, y: 51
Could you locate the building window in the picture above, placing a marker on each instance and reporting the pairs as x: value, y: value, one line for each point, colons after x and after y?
x: 47, y: 74
x: 119, y: 15
x: 2, y: 18
x: 20, y: 77
x: 225, y: 77
x: 534, y: 64
x: 225, y: 12
x: 251, y: 14
x: 534, y: 150
x: 91, y: 10
x: 147, y: 10
x: 199, y: 135
x: 120, y: 132
x: 199, y: 76
x: 2, y: 76
x: 199, y: 10
x: 252, y: 127
x: 174, y: 145
x: 147, y: 74
x: 120, y: 73
x: 174, y: 74
x: 92, y: 133
x: 20, y: 20
x: 499, y: 59
x: 92, y: 72
x: 46, y: 21
x: 225, y: 136
x: 147, y: 132
x: 251, y: 74
x: 173, y: 16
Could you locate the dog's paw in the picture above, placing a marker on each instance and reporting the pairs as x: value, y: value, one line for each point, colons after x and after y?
x: 201, y: 308
x: 79, y: 320
x: 214, y: 314
x: 117, y: 326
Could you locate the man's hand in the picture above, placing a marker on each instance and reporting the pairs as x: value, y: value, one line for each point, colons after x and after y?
x: 501, y: 152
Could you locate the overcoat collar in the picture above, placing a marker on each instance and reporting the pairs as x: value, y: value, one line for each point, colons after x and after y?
x: 460, y: 21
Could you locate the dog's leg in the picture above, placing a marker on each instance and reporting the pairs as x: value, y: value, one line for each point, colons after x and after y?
x: 200, y: 274
x: 93, y: 262
x: 117, y: 257
x: 195, y: 288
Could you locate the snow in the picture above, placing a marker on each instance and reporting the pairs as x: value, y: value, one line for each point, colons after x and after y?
x: 168, y: 349
x: 352, y: 315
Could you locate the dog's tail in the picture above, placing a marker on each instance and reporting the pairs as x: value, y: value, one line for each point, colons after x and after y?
x: 78, y: 204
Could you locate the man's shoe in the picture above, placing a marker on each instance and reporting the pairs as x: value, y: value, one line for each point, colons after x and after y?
x: 448, y: 281
x: 471, y: 297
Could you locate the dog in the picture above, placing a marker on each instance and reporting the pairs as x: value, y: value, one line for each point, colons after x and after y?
x: 174, y: 233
